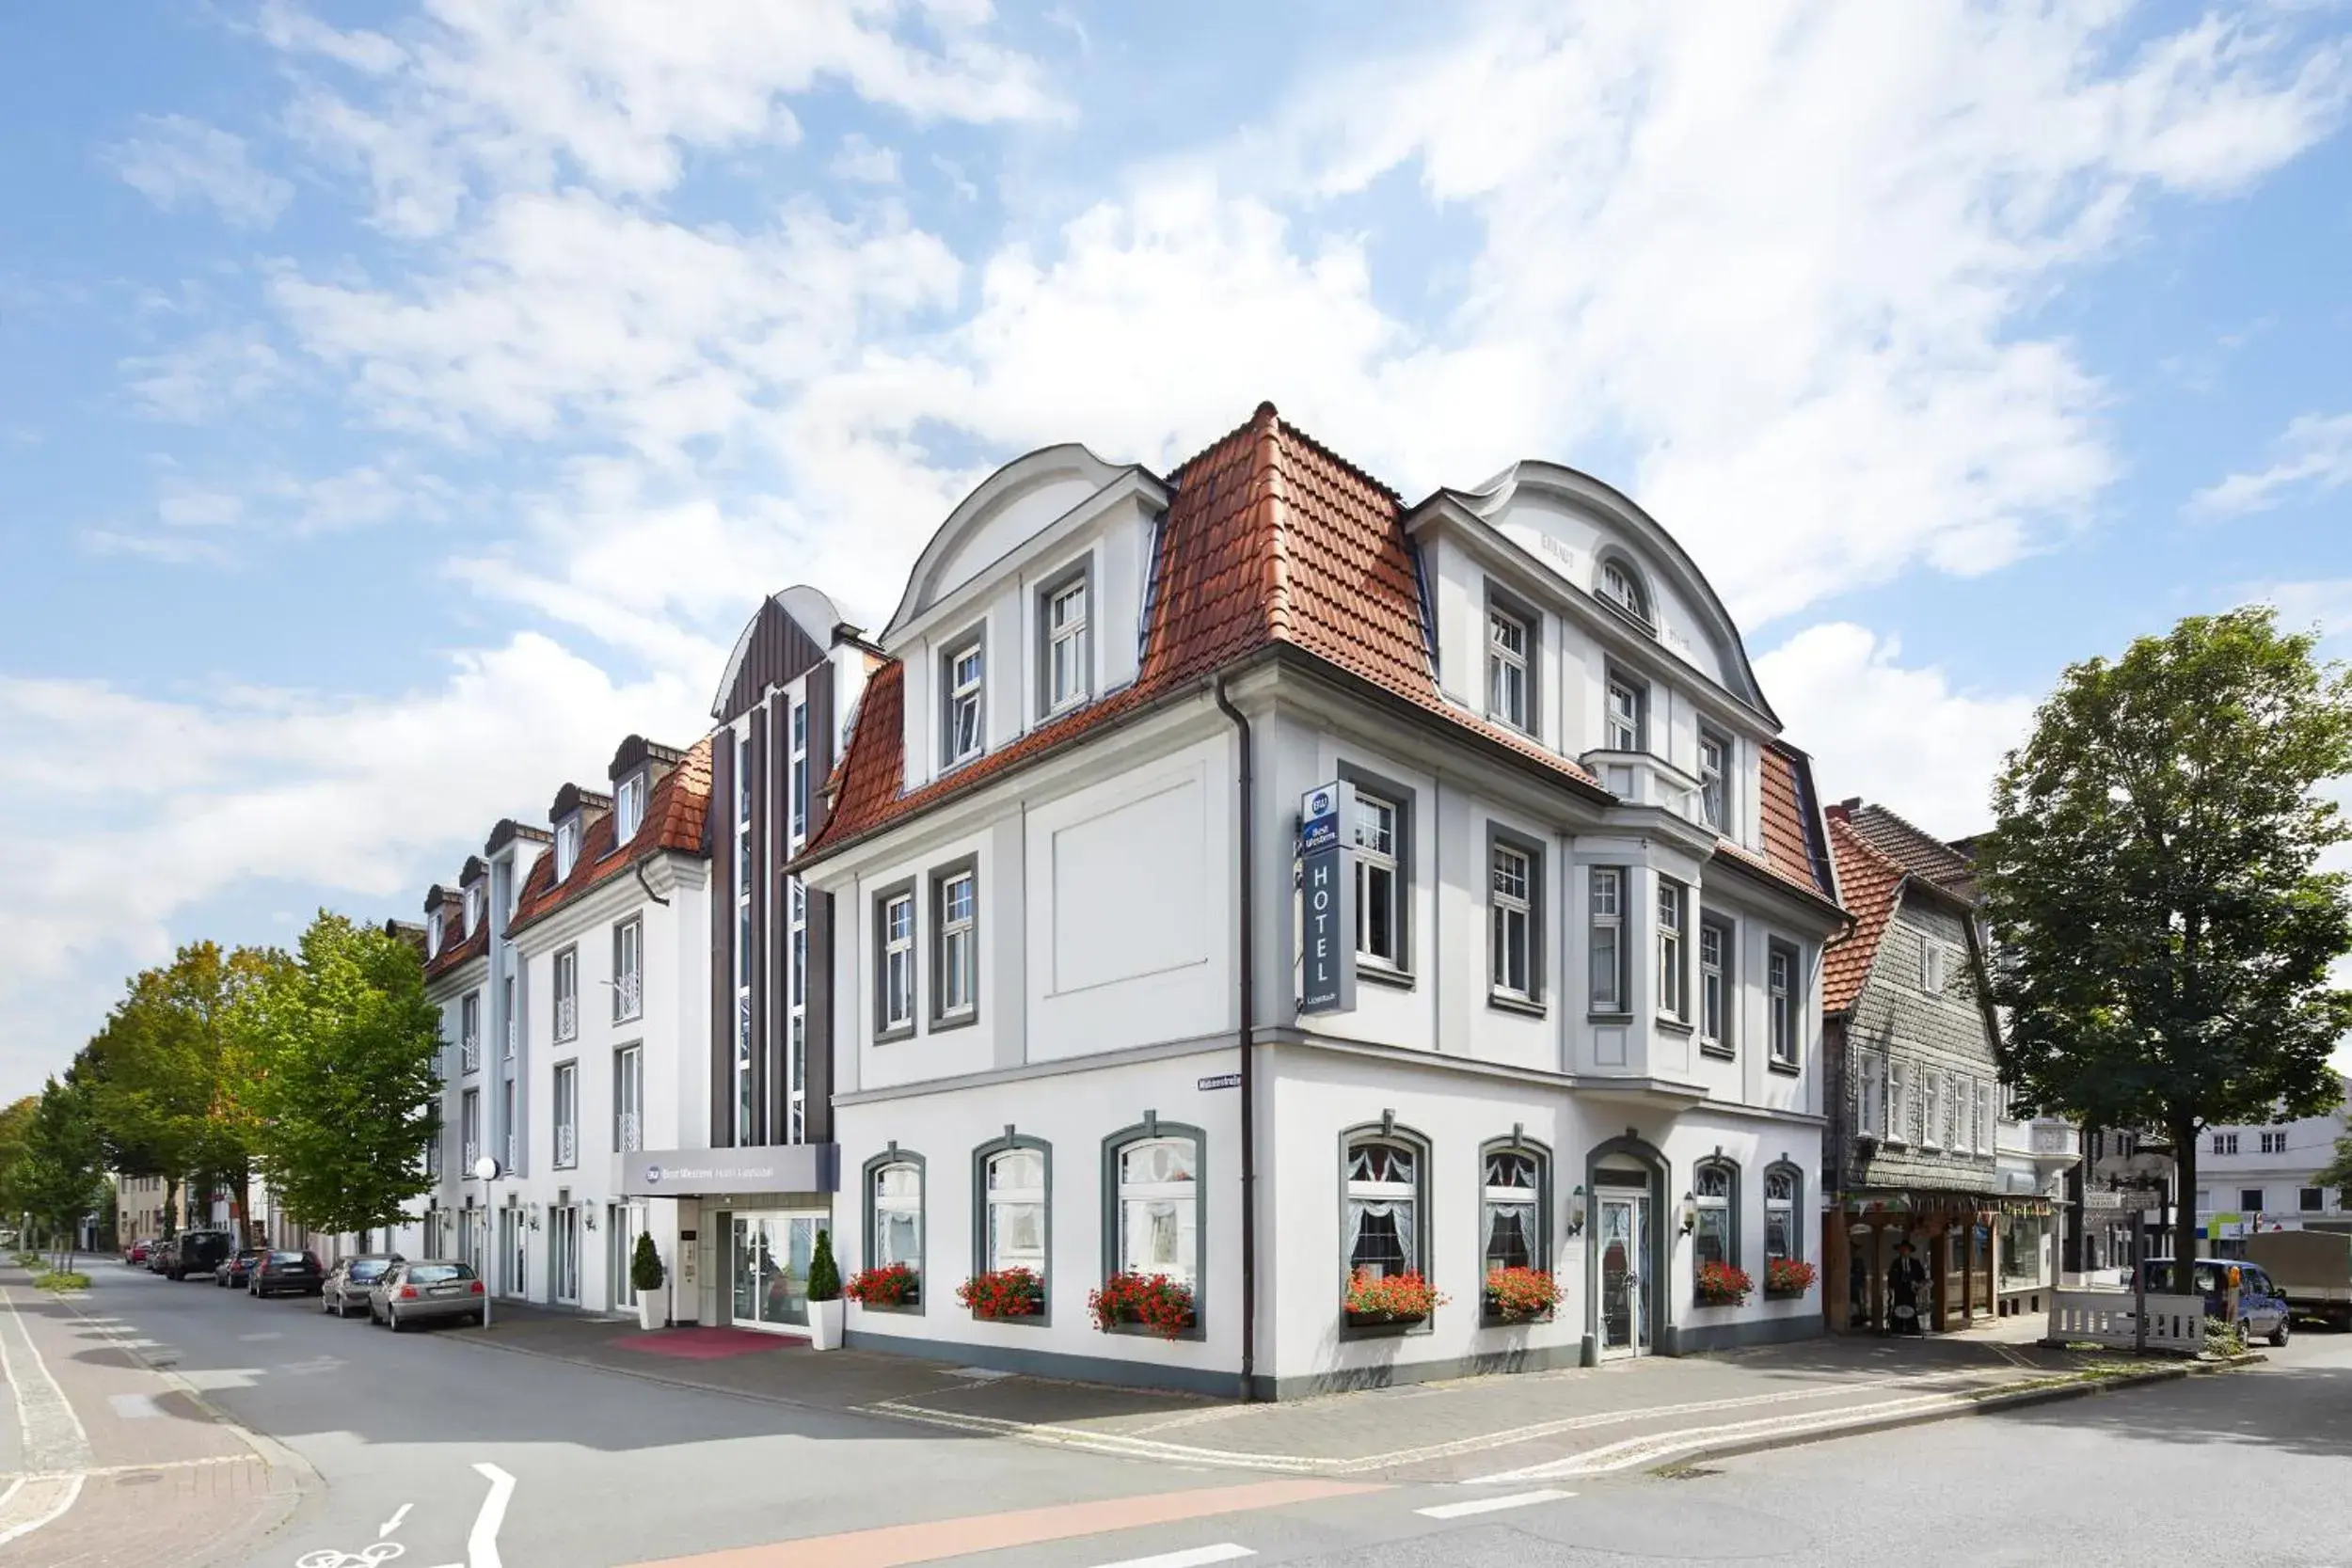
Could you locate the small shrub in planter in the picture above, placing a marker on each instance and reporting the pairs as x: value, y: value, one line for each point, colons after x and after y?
x: 1391, y: 1298
x: 645, y: 1265
x: 1722, y: 1285
x: 824, y: 1274
x: 892, y: 1285
x: 1156, y: 1302
x: 1521, y: 1295
x: 1787, y: 1276
x: 1001, y: 1294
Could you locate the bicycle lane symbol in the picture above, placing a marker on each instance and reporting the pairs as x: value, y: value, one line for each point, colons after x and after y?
x: 481, y: 1542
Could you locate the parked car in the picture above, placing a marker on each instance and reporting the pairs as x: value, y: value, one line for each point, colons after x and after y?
x: 159, y: 1256
x: 237, y: 1268
x: 199, y: 1252
x: 347, y: 1284
x: 137, y: 1252
x: 281, y: 1273
x: 2260, y: 1305
x: 2314, y: 1268
x: 427, y: 1288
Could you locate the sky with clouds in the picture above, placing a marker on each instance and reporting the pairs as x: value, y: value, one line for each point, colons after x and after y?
x: 402, y: 407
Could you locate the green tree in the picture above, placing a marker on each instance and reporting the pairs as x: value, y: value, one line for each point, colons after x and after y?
x: 170, y: 1076
x: 16, y: 1124
x: 347, y: 1099
x: 60, y: 1172
x: 2162, y: 932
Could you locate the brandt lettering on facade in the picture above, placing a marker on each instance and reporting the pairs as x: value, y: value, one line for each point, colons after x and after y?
x: 1326, y: 902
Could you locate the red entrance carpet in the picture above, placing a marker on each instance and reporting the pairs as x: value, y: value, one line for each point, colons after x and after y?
x: 705, y: 1344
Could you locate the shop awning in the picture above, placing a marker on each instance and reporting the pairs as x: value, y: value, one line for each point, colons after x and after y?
x: 719, y: 1172
x: 1931, y: 1202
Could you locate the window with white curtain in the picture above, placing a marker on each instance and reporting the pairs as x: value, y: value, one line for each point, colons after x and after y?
x: 1383, y: 1205
x: 1782, y: 1237
x: 1016, y: 1209
x: 1514, y: 1183
x: 1715, y: 1238
x: 898, y: 1217
x: 1159, y: 1208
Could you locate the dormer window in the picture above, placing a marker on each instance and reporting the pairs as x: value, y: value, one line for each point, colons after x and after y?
x: 1506, y: 668
x: 1620, y: 587
x: 1067, y: 669
x: 474, y: 907
x: 1627, y: 703
x: 628, y: 809
x: 567, y: 846
x: 1714, y: 768
x: 433, y: 935
x: 963, y: 684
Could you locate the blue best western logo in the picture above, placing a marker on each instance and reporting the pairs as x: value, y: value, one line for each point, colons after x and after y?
x: 653, y: 1175
x: 1319, y: 820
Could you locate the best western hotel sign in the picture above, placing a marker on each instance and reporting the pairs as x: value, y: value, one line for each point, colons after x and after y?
x: 1326, y: 900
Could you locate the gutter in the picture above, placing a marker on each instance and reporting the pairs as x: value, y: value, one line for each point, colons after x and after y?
x: 639, y: 866
x: 1246, y: 857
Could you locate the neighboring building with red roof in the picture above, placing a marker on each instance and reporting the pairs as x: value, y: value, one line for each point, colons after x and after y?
x: 1566, y: 1018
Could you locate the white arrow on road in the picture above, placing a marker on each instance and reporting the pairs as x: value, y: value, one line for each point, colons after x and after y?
x: 482, y: 1546
x: 393, y: 1523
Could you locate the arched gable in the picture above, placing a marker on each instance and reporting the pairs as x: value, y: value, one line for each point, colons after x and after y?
x: 1574, y: 523
x: 1009, y: 507
x: 788, y: 636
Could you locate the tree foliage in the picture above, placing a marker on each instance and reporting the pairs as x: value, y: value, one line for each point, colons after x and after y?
x: 59, y: 1175
x: 2163, y: 933
x: 346, y: 1100
x: 16, y: 1124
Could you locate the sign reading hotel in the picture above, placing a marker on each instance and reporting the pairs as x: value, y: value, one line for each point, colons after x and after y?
x: 1326, y: 902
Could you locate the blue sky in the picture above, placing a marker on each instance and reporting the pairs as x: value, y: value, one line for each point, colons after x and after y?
x: 403, y: 407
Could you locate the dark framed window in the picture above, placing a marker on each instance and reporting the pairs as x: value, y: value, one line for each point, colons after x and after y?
x: 1673, y: 935
x: 1780, y: 1003
x: 2310, y: 1200
x: 963, y: 698
x: 1385, y: 1173
x: 893, y: 962
x: 1383, y: 830
x: 2251, y: 1199
x: 1715, y: 1191
x: 1155, y: 1205
x: 1620, y: 586
x: 1783, y: 1235
x: 956, y: 943
x: 1714, y: 781
x: 1606, y: 941
x: 567, y: 980
x: 1012, y: 1220
x: 1514, y: 661
x: 894, y: 1184
x: 1626, y: 715
x: 1515, y: 1198
x: 1065, y: 635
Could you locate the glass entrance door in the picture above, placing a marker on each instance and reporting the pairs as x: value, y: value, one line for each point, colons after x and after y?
x: 563, y: 1254
x: 622, y: 1223
x: 771, y: 1254
x: 1624, y: 1290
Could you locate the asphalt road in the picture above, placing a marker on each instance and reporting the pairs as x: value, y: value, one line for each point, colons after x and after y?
x: 608, y: 1471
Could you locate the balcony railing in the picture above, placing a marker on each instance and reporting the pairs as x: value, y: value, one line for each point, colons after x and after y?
x: 567, y: 1145
x: 629, y: 997
x: 566, y: 1018
x: 470, y: 1054
x: 510, y: 1039
x: 511, y: 1161
x: 627, y: 1134
x: 473, y: 1153
x: 2056, y: 1140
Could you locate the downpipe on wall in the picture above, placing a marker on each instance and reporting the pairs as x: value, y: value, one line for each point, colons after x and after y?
x: 1246, y: 858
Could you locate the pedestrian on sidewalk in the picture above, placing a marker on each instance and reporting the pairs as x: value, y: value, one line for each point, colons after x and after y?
x: 1905, y: 1278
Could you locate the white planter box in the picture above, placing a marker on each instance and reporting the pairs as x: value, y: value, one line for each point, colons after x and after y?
x: 824, y: 1324
x: 649, y: 1310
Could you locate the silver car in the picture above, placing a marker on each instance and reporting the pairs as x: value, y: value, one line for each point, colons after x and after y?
x: 347, y: 1284
x: 427, y: 1288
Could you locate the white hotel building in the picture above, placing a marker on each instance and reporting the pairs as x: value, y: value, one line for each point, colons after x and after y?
x: 1063, y: 1028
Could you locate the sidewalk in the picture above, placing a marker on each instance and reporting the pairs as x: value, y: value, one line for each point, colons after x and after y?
x: 1523, y: 1427
x: 122, y: 1462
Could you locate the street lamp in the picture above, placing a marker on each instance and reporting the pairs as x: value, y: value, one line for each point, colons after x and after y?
x: 486, y: 1171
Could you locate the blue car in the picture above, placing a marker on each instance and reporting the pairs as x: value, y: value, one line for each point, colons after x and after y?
x: 2262, y: 1306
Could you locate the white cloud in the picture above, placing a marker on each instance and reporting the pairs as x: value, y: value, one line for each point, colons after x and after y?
x: 199, y: 381
x: 2313, y: 453
x: 1902, y: 736
x: 175, y: 161
x: 2324, y: 603
x: 864, y: 161
x: 519, y: 95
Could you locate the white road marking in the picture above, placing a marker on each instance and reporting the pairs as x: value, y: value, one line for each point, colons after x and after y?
x: 977, y: 1374
x: 393, y: 1523
x: 258, y: 1338
x: 1658, y: 1448
x: 56, y: 1444
x: 482, y: 1544
x: 1493, y: 1505
x: 1224, y: 1551
x: 134, y: 1407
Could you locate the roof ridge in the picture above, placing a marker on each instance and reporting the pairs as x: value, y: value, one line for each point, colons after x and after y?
x: 1269, y: 469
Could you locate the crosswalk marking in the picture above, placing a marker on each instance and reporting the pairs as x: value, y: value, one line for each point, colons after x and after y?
x: 1493, y: 1505
x: 1224, y: 1551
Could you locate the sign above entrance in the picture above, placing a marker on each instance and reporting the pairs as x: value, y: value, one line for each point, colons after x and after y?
x: 2119, y: 1202
x: 718, y: 1172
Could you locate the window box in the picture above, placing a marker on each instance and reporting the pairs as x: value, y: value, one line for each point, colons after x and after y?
x: 1003, y: 1295
x: 1520, y: 1295
x: 1153, y: 1302
x: 1787, y: 1277
x: 1723, y: 1285
x: 889, y: 1288
x: 1395, y: 1298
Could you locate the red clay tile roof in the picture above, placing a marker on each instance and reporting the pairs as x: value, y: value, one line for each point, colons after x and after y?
x: 675, y: 814
x: 457, y: 948
x: 1793, y: 849
x: 1873, y: 884
x: 1270, y: 539
x: 1913, y: 848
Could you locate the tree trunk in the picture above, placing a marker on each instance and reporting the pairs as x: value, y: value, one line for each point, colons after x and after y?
x: 2185, y: 1197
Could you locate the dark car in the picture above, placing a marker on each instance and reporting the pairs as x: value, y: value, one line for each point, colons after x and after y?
x: 349, y: 1281
x: 286, y: 1273
x: 199, y: 1252
x: 237, y: 1268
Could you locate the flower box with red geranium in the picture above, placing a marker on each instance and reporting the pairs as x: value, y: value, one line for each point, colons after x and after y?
x: 1002, y: 1296
x: 1390, y: 1298
x: 1787, y: 1276
x: 1153, y: 1302
x: 893, y: 1285
x: 1520, y: 1295
x: 1722, y: 1285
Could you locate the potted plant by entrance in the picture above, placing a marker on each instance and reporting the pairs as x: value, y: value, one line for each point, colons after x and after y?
x: 1390, y: 1298
x: 645, y: 1275
x: 824, y: 1296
